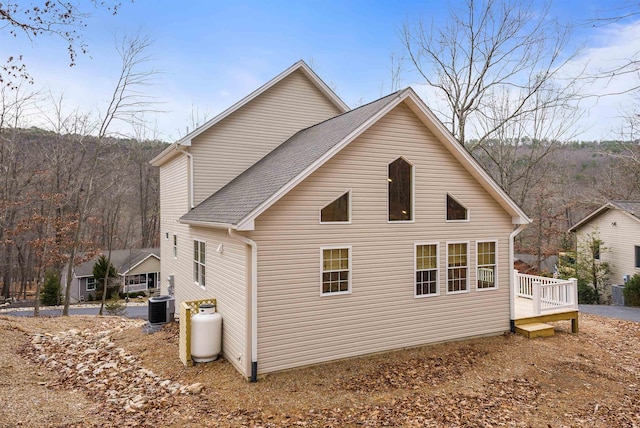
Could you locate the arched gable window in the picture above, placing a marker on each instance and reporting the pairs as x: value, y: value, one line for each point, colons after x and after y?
x: 400, y: 178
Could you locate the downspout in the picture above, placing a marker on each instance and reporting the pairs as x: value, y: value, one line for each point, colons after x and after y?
x: 254, y: 301
x: 190, y: 156
x: 512, y: 276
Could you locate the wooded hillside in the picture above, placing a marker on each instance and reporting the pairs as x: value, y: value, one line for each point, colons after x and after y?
x: 60, y: 188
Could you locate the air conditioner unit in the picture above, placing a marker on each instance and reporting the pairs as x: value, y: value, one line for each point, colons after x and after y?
x: 626, y: 278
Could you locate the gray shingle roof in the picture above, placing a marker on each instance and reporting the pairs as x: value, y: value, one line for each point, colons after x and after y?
x: 122, y: 260
x: 632, y: 207
x: 249, y: 190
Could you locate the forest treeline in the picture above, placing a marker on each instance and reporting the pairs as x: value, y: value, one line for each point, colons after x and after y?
x: 54, y: 183
x: 63, y: 192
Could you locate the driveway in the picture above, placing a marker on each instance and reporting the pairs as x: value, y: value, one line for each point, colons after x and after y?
x: 612, y: 311
x: 134, y: 310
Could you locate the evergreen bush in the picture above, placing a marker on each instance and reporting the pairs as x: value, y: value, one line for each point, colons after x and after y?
x: 586, y: 293
x: 632, y: 291
x: 50, y: 293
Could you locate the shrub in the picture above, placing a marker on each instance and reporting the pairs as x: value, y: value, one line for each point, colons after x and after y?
x: 114, y: 307
x: 50, y: 293
x: 91, y: 297
x: 632, y: 291
x: 586, y: 293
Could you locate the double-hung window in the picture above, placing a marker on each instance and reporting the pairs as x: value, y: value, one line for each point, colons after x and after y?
x: 486, y: 274
x: 637, y: 257
x: 457, y: 267
x: 91, y: 283
x: 426, y: 270
x: 336, y: 270
x: 199, y: 263
x: 175, y: 246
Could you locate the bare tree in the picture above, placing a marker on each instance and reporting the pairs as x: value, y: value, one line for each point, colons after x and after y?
x: 128, y: 104
x: 486, y: 49
x: 62, y: 19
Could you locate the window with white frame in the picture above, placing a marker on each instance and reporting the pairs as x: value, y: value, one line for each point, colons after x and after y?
x: 455, y: 210
x: 199, y: 263
x: 91, y: 283
x: 426, y: 269
x: 336, y: 270
x: 637, y: 257
x: 175, y: 246
x: 336, y: 211
x: 457, y: 267
x: 486, y: 275
x: 400, y: 192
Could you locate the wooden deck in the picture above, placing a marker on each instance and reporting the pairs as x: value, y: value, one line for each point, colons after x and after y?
x: 525, y: 314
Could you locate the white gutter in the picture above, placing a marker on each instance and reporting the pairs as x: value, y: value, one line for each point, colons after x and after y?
x: 190, y: 176
x: 512, y: 281
x: 254, y: 301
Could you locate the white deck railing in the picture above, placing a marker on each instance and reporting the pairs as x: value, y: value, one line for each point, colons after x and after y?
x: 547, y: 294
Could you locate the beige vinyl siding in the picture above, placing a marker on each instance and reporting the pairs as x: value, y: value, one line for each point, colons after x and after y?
x: 151, y: 264
x: 174, y: 203
x: 226, y: 276
x: 238, y: 141
x: 297, y: 326
x: 620, y: 240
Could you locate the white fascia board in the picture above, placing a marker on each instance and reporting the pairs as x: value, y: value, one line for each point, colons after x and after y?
x: 591, y: 216
x: 423, y: 112
x: 628, y: 214
x: 300, y: 65
x: 247, y: 223
x: 139, y: 263
x: 208, y: 224
x: 165, y: 155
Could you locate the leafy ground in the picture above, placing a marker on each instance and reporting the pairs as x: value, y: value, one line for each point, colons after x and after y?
x: 107, y: 372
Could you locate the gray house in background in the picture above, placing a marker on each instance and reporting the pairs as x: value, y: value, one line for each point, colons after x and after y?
x: 138, y: 270
x: 618, y: 225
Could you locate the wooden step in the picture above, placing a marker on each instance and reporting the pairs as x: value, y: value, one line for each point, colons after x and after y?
x: 536, y: 329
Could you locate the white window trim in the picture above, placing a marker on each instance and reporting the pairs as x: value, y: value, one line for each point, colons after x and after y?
x: 332, y: 201
x: 415, y: 269
x: 206, y: 253
x: 335, y: 247
x: 467, y: 220
x: 174, y: 246
x: 413, y: 192
x: 447, y: 268
x: 495, y: 282
x: 95, y: 284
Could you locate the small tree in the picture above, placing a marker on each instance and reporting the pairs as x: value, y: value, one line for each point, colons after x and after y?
x: 104, y: 272
x: 50, y: 294
x: 591, y: 270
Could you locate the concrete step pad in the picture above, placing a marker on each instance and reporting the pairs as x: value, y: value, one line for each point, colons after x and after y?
x: 536, y: 329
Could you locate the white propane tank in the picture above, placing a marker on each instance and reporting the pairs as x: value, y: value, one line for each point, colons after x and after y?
x: 206, y: 334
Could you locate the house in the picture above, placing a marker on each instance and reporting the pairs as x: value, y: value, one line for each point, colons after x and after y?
x: 138, y: 270
x: 618, y: 226
x: 327, y: 233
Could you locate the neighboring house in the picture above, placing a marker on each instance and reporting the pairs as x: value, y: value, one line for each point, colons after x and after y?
x: 327, y: 233
x: 618, y: 224
x: 138, y: 270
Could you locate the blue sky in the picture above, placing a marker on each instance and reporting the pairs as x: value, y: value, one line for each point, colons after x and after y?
x: 213, y: 53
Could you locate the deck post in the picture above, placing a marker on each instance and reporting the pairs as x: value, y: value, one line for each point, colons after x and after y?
x: 536, y: 297
x: 574, y: 296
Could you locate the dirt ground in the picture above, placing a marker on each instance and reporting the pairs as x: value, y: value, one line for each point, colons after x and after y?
x: 108, y: 372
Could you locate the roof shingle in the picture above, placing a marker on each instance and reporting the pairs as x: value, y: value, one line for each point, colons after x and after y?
x: 249, y: 190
